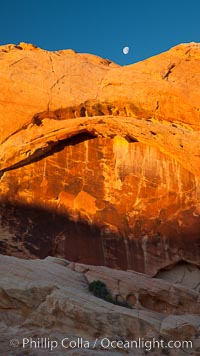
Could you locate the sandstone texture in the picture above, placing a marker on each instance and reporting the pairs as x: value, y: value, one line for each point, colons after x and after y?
x: 100, y: 163
x: 50, y: 298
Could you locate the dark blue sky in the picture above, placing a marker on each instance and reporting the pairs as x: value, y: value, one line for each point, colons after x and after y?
x: 101, y: 27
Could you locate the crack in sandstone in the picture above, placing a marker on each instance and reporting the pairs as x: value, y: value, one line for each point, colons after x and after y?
x: 57, y: 81
x: 51, y: 60
x: 53, y: 71
x: 24, y: 127
x: 169, y: 71
x: 19, y: 60
x: 102, y: 79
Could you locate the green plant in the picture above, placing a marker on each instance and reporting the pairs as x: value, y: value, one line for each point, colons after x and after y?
x: 100, y: 290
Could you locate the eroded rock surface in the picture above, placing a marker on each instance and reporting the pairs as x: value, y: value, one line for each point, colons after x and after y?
x: 50, y: 298
x: 100, y: 163
x: 183, y: 273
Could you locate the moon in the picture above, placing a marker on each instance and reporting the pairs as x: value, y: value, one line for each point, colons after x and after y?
x: 125, y: 50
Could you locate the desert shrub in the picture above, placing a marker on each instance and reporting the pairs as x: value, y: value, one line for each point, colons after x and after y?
x: 100, y: 290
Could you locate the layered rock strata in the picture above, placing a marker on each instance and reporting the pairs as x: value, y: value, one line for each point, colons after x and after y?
x: 50, y: 299
x: 100, y: 163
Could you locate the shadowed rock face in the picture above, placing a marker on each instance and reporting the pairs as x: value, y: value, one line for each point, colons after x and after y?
x: 109, y: 180
x: 102, y: 201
